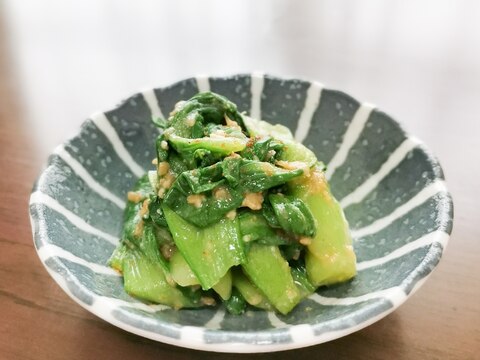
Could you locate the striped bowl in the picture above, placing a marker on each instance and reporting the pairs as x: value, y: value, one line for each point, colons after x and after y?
x: 391, y: 187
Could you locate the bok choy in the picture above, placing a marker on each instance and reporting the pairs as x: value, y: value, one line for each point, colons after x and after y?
x: 235, y: 212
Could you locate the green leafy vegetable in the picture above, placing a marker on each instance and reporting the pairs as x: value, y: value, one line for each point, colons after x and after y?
x: 209, y: 251
x: 300, y: 277
x: 222, y: 144
x: 236, y: 211
x: 254, y: 227
x: 235, y: 176
x: 269, y: 271
x: 292, y: 214
x: 236, y: 303
x: 224, y: 286
x: 146, y: 280
x: 250, y: 292
x: 330, y: 257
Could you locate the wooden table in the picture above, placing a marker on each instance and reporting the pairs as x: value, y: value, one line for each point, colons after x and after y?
x: 421, y: 63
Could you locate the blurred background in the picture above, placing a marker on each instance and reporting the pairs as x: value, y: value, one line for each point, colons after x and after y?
x: 417, y: 60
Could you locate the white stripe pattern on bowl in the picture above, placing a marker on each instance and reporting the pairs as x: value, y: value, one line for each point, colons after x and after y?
x: 102, y: 123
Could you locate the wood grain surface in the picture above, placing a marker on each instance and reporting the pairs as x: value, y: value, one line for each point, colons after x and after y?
x: 440, y: 321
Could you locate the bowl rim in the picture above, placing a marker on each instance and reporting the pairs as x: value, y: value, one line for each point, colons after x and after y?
x: 192, y: 336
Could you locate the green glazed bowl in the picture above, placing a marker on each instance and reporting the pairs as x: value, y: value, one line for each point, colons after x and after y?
x: 390, y: 186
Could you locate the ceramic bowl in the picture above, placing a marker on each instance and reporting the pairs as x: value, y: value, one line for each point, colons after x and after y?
x: 390, y: 186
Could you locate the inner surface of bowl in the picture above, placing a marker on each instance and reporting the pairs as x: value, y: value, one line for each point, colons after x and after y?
x: 391, y: 188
